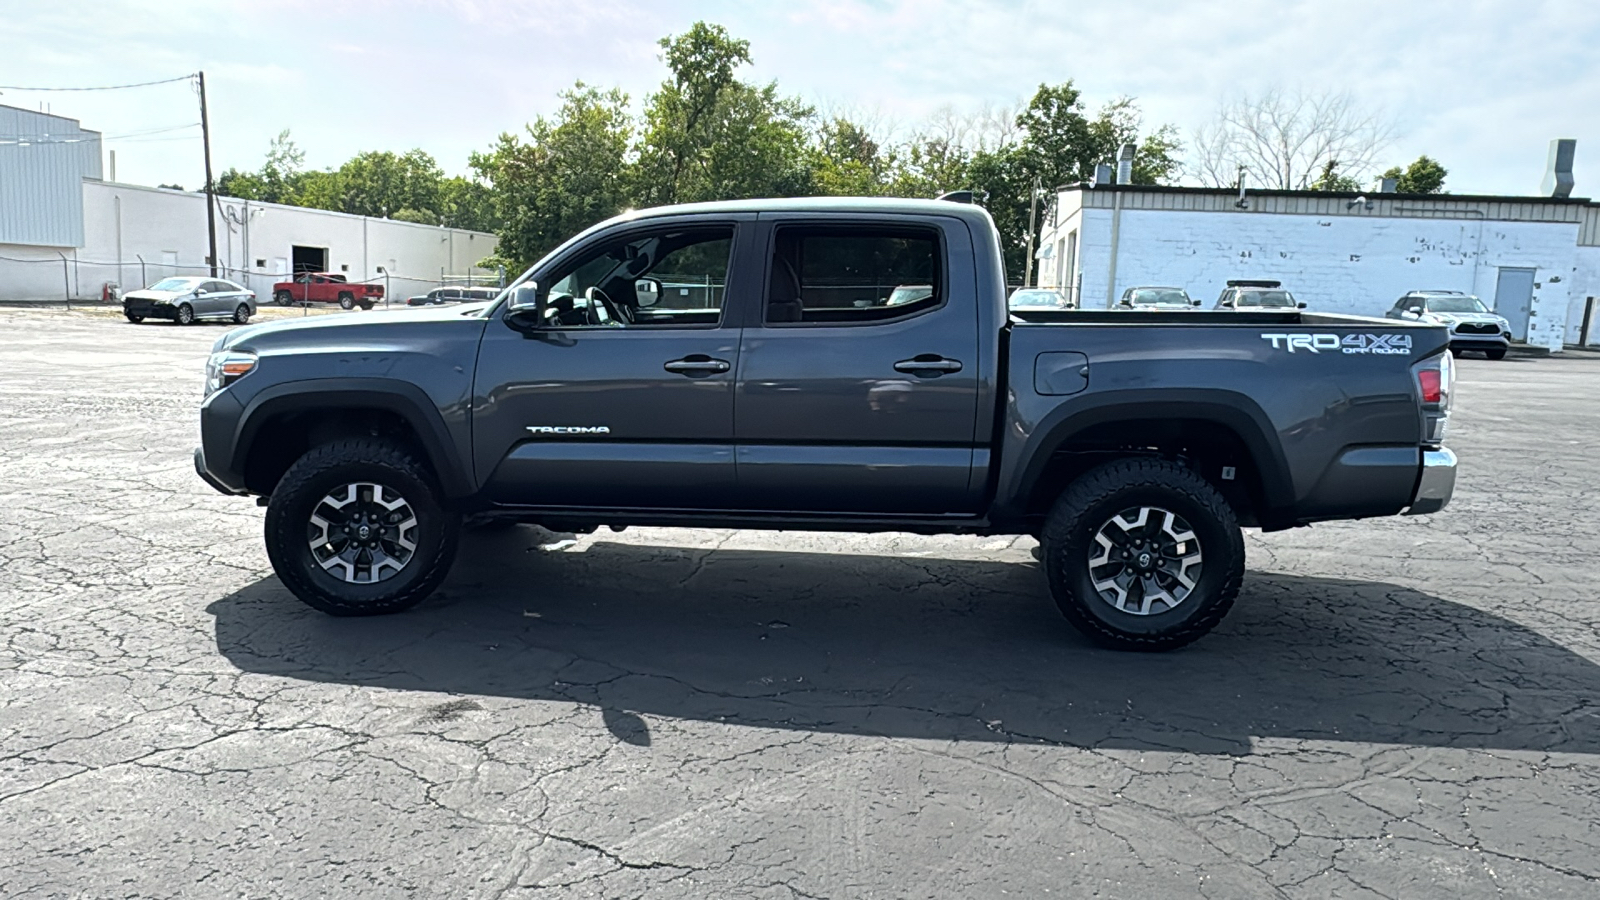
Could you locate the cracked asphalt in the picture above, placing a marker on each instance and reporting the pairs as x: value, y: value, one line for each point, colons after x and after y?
x: 1401, y: 708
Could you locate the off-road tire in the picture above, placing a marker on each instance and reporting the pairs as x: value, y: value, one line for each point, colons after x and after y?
x: 326, y: 467
x: 185, y: 315
x: 347, y: 301
x: 1101, y: 494
x: 283, y: 298
x: 241, y: 315
x: 1496, y: 353
x: 133, y: 318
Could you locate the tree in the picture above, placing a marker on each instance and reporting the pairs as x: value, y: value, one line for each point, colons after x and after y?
x: 382, y: 183
x: 709, y: 136
x: 1284, y: 139
x: 564, y: 175
x: 1424, y: 176
x: 847, y: 162
x: 1331, y: 179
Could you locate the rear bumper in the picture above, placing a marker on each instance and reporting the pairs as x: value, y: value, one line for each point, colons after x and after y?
x: 1436, y: 484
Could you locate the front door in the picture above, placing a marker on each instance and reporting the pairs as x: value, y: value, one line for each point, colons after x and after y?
x: 612, y: 402
x: 858, y: 387
x: 1513, y: 299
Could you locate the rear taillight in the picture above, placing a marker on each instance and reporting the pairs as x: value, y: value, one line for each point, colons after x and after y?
x: 1436, y: 380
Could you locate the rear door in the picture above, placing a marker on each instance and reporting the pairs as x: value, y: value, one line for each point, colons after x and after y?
x: 859, y: 376
x: 607, y: 406
x: 219, y: 299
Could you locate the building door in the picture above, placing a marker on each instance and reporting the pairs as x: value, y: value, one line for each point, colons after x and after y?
x: 1513, y: 299
x: 309, y: 259
x: 169, y: 262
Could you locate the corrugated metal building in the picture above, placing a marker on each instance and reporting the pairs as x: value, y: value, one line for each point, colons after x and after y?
x: 1340, y: 252
x: 43, y: 162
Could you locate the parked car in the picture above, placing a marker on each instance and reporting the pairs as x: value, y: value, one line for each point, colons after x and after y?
x: 1038, y: 298
x: 189, y: 300
x: 1473, y: 326
x: 327, y: 287
x: 1250, y: 294
x: 442, y: 295
x: 1154, y: 299
x: 1134, y: 449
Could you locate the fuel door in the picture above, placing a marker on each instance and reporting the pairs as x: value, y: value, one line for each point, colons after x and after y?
x: 1060, y: 372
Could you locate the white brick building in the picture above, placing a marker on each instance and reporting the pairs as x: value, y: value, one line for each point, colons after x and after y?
x: 1338, y: 252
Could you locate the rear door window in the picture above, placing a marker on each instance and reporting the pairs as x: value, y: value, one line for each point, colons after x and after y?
x: 843, y: 275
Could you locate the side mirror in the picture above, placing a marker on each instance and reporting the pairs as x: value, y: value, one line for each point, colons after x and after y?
x: 1300, y: 305
x: 1194, y: 302
x: 526, y: 303
x: 1414, y: 310
x: 648, y: 291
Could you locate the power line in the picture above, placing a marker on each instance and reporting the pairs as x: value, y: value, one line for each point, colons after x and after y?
x: 109, y: 87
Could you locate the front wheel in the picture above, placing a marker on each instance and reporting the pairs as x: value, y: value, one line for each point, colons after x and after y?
x: 347, y: 302
x: 358, y: 528
x: 133, y: 318
x: 185, y: 315
x: 1143, y: 554
x: 283, y: 298
x: 1496, y: 353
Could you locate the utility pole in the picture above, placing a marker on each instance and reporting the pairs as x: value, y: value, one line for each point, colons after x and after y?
x: 1033, y: 209
x: 211, y: 190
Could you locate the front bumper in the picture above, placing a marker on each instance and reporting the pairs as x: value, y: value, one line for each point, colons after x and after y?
x: 1436, y: 483
x: 1476, y: 341
x: 145, y: 309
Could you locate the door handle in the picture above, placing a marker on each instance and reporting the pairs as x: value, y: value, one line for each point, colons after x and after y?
x: 696, y: 364
x: 929, y: 365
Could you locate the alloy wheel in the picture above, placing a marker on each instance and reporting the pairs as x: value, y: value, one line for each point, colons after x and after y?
x: 1145, y: 560
x: 362, y: 533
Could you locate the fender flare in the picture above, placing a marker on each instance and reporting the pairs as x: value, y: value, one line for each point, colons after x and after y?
x: 402, y: 398
x: 1232, y: 410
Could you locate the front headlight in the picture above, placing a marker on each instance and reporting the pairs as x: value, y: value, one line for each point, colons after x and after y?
x: 225, y: 367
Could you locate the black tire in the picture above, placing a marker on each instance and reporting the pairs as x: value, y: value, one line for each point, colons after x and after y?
x: 1092, y: 503
x: 241, y: 315
x: 347, y: 301
x: 302, y: 491
x: 133, y: 318
x: 283, y: 298
x: 366, y: 304
x: 1497, y: 353
x: 185, y: 315
x: 1455, y: 351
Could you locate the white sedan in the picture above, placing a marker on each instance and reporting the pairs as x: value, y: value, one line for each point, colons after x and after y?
x: 188, y: 300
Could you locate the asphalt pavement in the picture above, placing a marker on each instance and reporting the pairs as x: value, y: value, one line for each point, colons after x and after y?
x: 1403, y: 708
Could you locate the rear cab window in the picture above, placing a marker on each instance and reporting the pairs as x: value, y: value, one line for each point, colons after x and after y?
x: 853, y: 274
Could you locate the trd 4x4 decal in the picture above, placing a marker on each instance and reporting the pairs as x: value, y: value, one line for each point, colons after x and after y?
x: 1381, y: 344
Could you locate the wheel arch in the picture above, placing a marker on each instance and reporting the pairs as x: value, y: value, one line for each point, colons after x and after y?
x: 283, y: 421
x: 1174, y: 422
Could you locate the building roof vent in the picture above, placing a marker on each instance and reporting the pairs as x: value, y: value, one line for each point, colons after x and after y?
x: 1102, y: 174
x: 1388, y: 185
x: 1558, y: 171
x: 1125, y: 165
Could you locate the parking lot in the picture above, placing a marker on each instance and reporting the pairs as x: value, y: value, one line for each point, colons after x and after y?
x: 1395, y: 708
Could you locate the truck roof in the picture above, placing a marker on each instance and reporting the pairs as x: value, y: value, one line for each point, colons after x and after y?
x: 818, y: 205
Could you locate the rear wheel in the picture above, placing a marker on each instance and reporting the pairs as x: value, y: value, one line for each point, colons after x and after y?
x: 133, y: 318
x: 1143, y: 554
x: 241, y: 314
x: 347, y: 301
x: 185, y: 315
x: 283, y: 298
x: 1496, y: 353
x: 366, y: 304
x: 358, y: 528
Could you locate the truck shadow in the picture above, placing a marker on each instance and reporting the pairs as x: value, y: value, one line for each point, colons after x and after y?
x: 931, y: 648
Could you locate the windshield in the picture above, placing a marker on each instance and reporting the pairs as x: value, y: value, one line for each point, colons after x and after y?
x: 1035, y: 298
x: 172, y: 284
x: 1456, y: 305
x: 1270, y: 299
x: 1158, y: 297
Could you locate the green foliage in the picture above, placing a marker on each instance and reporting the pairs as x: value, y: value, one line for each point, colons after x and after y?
x: 420, y: 217
x: 562, y: 176
x: 1330, y: 179
x: 1424, y: 176
x: 381, y: 183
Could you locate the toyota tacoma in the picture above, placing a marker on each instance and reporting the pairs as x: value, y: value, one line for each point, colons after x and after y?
x: 740, y: 365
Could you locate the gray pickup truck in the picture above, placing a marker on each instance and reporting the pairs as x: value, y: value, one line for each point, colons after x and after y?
x: 845, y: 365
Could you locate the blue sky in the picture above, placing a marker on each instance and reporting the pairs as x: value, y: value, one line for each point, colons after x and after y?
x: 1481, y: 86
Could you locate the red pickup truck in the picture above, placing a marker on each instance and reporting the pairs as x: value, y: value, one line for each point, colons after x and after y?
x: 326, y: 287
